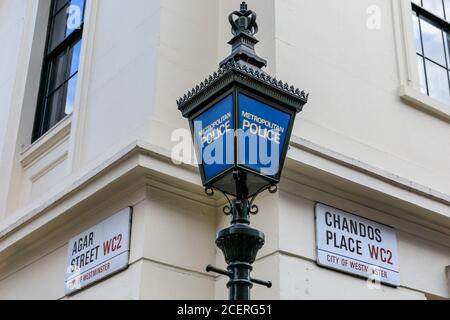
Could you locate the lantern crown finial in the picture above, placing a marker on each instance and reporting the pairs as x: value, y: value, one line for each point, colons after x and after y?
x: 244, y: 27
x: 245, y: 21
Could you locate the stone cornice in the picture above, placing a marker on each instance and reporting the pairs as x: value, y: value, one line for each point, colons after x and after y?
x: 147, y: 164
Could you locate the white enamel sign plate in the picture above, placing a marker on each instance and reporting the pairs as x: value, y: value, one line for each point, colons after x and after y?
x: 98, y: 252
x: 357, y: 246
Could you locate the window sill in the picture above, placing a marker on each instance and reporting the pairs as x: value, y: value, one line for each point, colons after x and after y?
x: 47, y: 142
x: 425, y: 103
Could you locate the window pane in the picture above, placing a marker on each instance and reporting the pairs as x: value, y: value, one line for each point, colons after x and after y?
x: 74, y: 16
x: 438, y: 85
x: 434, y: 6
x: 422, y: 78
x: 59, y: 4
x: 53, y: 108
x: 59, y: 27
x: 71, y: 91
x: 433, y: 44
x: 60, y: 68
x: 66, y: 22
x: 447, y: 46
x: 75, y: 58
x: 417, y: 34
x: 58, y: 73
x: 80, y: 4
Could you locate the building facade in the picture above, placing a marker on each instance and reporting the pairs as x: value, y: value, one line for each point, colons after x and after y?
x: 89, y: 126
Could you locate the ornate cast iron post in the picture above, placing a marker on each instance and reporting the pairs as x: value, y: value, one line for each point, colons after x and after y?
x: 237, y: 114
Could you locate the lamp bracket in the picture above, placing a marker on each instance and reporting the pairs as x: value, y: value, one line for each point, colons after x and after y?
x: 227, y: 209
x: 254, y: 210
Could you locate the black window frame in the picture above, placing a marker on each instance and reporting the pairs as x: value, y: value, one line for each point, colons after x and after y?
x: 442, y: 23
x: 41, y: 121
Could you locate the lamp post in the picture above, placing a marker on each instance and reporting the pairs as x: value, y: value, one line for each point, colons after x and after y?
x: 241, y: 120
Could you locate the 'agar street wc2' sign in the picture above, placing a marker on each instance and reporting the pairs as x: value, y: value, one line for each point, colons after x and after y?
x: 357, y: 246
x: 98, y: 252
x: 260, y: 131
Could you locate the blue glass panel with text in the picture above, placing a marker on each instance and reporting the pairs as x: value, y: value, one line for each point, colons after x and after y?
x: 262, y: 134
x: 214, y: 138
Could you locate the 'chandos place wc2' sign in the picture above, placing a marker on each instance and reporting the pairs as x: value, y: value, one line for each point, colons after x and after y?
x: 355, y: 245
x: 259, y: 128
x: 98, y: 252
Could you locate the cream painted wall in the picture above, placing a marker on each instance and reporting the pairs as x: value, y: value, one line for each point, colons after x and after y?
x: 297, y: 242
x: 138, y: 70
x: 11, y: 22
x: 173, y: 240
x: 288, y: 258
x: 138, y: 60
x: 353, y: 76
x: 120, y: 96
x: 160, y: 221
x: 12, y: 15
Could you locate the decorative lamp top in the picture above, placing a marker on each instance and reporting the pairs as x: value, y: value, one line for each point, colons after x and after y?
x: 244, y: 27
x: 245, y: 22
x: 242, y: 67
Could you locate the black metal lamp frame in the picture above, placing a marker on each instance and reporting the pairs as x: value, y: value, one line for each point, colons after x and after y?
x: 240, y: 243
x: 241, y: 73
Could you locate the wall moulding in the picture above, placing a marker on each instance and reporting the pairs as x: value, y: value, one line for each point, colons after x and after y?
x: 148, y: 164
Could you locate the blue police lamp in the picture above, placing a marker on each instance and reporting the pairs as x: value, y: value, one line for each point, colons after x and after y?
x: 241, y: 120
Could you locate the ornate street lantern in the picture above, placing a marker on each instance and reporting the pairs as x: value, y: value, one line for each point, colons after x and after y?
x: 241, y: 120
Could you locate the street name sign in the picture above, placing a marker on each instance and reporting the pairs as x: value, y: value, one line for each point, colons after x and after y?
x: 99, y: 252
x: 357, y: 246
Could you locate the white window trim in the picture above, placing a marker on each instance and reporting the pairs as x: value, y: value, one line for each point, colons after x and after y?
x: 70, y: 125
x: 410, y: 90
x: 47, y: 142
x: 84, y: 75
x: 19, y: 153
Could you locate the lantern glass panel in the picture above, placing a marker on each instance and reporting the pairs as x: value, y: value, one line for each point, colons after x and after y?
x: 262, y: 136
x: 214, y: 138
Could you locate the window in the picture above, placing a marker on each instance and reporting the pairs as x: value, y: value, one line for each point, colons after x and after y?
x: 431, y: 19
x: 60, y: 67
